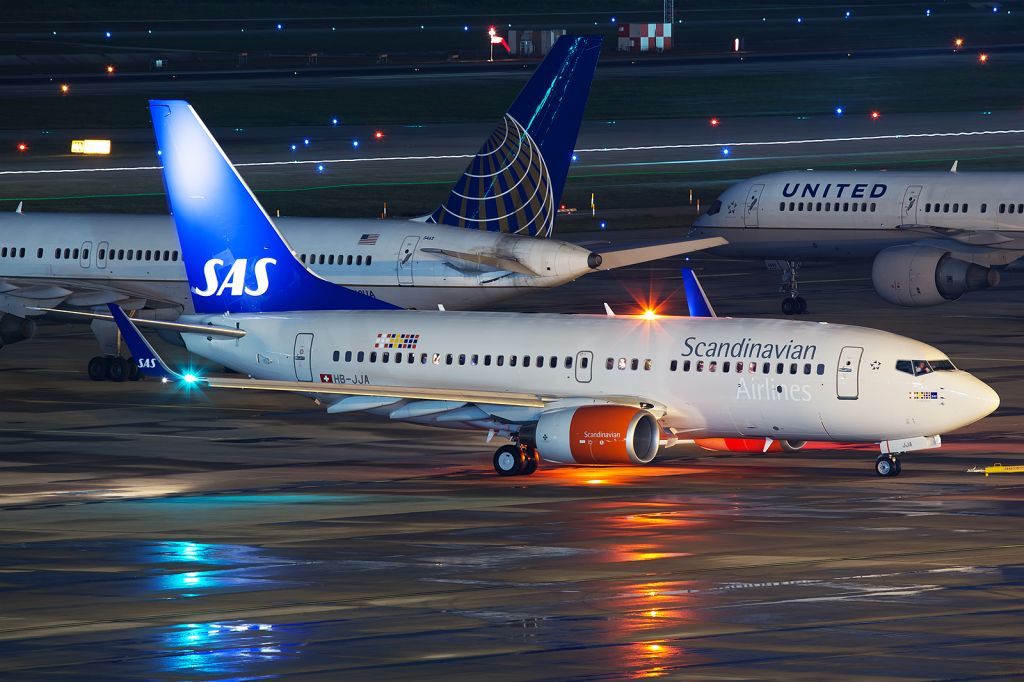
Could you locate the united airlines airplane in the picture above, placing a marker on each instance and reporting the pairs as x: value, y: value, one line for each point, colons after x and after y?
x: 489, y: 240
x: 932, y: 236
x: 566, y: 388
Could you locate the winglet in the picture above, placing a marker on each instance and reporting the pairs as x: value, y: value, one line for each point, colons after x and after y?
x: 18, y: 210
x: 696, y: 299
x: 147, y: 359
x: 955, y: 164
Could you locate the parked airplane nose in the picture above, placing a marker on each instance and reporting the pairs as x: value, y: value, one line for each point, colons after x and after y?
x: 977, y: 399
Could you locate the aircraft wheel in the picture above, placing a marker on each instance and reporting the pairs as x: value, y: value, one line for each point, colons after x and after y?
x: 98, y: 368
x: 532, y: 461
x: 117, y: 370
x: 789, y: 306
x: 133, y: 371
x: 801, y: 305
x: 897, y: 466
x: 509, y: 460
x: 887, y: 465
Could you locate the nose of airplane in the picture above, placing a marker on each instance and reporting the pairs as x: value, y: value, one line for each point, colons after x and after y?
x: 978, y: 399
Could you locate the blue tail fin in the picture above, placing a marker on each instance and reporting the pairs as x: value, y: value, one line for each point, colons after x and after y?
x: 515, y: 181
x: 147, y: 359
x: 235, y: 259
x: 696, y: 299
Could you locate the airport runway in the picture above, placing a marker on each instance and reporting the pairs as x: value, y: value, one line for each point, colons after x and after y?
x: 152, y: 536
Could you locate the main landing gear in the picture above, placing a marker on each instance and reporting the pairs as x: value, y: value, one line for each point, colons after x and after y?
x: 888, y: 465
x: 793, y: 303
x: 108, y: 368
x: 516, y: 460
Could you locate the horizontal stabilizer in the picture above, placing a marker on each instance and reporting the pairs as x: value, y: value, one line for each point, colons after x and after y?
x: 696, y: 299
x: 612, y: 258
x: 480, y: 261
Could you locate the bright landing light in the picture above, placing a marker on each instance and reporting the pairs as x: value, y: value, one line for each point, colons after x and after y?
x: 190, y: 378
x: 649, y: 314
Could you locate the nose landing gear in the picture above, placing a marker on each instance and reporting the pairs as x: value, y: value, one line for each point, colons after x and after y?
x: 793, y: 303
x: 888, y: 465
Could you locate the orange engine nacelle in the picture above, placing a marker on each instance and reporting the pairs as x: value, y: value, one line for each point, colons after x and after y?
x: 595, y: 434
x: 747, y: 445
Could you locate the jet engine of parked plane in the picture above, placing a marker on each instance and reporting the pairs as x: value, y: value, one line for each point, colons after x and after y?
x: 14, y: 329
x: 922, y: 275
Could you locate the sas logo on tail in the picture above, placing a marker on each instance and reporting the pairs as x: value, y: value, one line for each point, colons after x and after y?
x: 234, y: 280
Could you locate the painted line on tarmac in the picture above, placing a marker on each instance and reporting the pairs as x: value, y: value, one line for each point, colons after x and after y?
x: 595, y: 150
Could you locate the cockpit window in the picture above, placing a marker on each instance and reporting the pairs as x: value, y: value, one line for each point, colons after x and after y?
x: 919, y: 367
x: 715, y: 207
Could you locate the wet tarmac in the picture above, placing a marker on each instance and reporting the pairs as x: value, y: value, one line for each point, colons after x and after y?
x: 148, y: 534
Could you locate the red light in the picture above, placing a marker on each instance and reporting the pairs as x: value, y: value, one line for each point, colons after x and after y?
x: 110, y: 68
x: 64, y: 88
x: 983, y: 58
x: 22, y: 146
x: 379, y: 135
x: 714, y: 122
x: 875, y: 114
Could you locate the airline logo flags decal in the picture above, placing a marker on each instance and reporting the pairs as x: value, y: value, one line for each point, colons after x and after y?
x: 924, y: 395
x: 397, y: 341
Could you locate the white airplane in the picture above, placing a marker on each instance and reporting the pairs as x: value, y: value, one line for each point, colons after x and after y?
x: 488, y: 241
x: 566, y: 388
x: 932, y: 236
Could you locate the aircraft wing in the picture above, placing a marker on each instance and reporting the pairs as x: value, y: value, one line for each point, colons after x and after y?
x: 620, y: 256
x: 34, y: 297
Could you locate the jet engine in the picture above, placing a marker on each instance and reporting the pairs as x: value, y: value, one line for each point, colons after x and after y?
x: 595, y: 434
x: 748, y: 445
x: 920, y: 275
x: 14, y: 329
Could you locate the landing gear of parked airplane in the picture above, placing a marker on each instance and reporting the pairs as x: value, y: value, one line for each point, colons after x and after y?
x: 888, y: 465
x: 516, y: 460
x: 793, y: 303
x: 104, y: 368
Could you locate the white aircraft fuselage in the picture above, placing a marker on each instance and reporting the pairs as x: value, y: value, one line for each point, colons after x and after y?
x: 701, y: 376
x: 799, y: 215
x: 84, y: 260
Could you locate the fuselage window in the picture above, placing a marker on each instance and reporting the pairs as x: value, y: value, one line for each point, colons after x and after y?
x: 767, y: 368
x: 156, y: 255
x: 138, y: 254
x: 956, y: 208
x: 322, y: 259
x: 526, y: 361
x: 963, y: 208
x: 905, y: 366
x: 540, y: 361
x: 1002, y: 208
x: 818, y: 206
x: 821, y: 369
x: 303, y: 258
x: 791, y: 205
x: 609, y: 363
x: 348, y: 356
x: 863, y: 206
x: 373, y: 356
x: 780, y: 368
x: 568, y: 362
x: 725, y: 366
x: 873, y: 206
x: 436, y: 358
x: 584, y: 362
x: 500, y: 361
x: 411, y: 358
x: 739, y: 366
x: 39, y: 252
x: 85, y: 254
x: 846, y: 206
x: 149, y: 254
x: 74, y: 254
x: 487, y: 361
x: 712, y: 365
x: 67, y: 252
x: 359, y: 260
x: 3, y: 252
x: 337, y: 355
x: 634, y: 364
x: 449, y: 359
x: 807, y: 368
x: 828, y: 205
x: 1020, y: 208
x: 167, y: 255
x: 512, y: 360
x: 474, y: 360
x: 673, y: 366
x: 330, y: 259
x: 1011, y: 208
x: 753, y: 367
x: 120, y: 254
x: 782, y: 205
x: 398, y: 358
x: 102, y: 254
x: 462, y: 358
x: 945, y: 208
x: 423, y: 358
x: 553, y: 362
x: 359, y: 356
x: 800, y: 206
x: 369, y: 259
x: 700, y: 365
x: 130, y: 254
x: 792, y: 368
x: 984, y: 208
x: 854, y: 207
x: 622, y: 363
x: 928, y: 208
x: 174, y: 255
x: 648, y: 363
x: 686, y: 365
x: 348, y: 260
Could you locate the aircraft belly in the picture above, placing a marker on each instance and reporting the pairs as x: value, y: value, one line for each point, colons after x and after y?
x: 805, y: 243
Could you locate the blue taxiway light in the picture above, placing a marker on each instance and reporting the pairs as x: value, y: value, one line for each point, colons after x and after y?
x: 725, y: 151
x: 294, y: 147
x: 305, y: 141
x: 573, y: 157
x: 320, y: 168
x: 279, y: 27
x: 107, y: 34
x: 603, y: 224
x: 355, y: 143
x: 839, y: 111
x: 465, y: 28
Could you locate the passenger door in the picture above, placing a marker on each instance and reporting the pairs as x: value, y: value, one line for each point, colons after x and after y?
x: 584, y: 366
x: 909, y: 212
x: 406, y: 257
x: 302, y: 356
x: 101, y: 255
x: 848, y: 373
x: 751, y: 206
